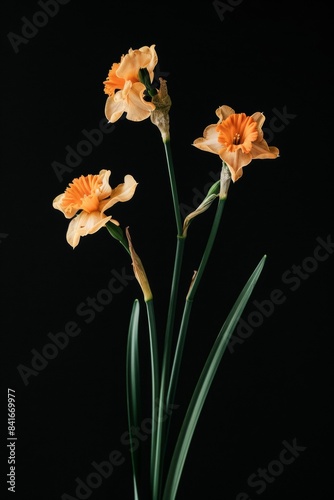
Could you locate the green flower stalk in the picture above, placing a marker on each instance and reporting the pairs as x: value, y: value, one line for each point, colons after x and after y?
x: 223, y: 186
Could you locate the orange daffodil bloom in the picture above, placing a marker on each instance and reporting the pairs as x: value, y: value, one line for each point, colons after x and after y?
x: 92, y: 196
x: 237, y: 139
x: 125, y: 90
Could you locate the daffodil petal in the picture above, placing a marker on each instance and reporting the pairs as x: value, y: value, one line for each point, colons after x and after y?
x: 84, y: 224
x: 209, y: 142
x: 123, y: 192
x: 68, y: 212
x: 132, y: 62
x: 261, y: 151
x: 259, y: 118
x: 235, y: 161
x: 224, y: 112
x: 57, y: 202
x: 153, y: 62
x: 104, y: 189
x: 114, y: 109
x: 137, y: 108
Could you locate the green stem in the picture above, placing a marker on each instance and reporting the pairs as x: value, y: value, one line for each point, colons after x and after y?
x: 208, y: 248
x: 172, y: 180
x: 169, y: 397
x: 178, y: 352
x: 157, y: 473
x: 173, y: 380
x: 172, y: 305
x: 187, y: 310
x: 165, y: 371
x: 189, y: 302
x: 155, y: 380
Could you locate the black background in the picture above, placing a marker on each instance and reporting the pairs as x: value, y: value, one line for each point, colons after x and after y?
x: 275, y: 386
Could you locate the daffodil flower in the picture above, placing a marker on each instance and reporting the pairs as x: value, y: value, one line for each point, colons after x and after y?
x: 125, y: 90
x: 91, y: 196
x: 237, y: 139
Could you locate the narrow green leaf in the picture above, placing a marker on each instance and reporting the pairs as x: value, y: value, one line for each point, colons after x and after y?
x: 203, y: 385
x: 154, y: 351
x: 133, y: 387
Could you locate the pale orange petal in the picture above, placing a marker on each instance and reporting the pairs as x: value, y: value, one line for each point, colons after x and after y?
x: 132, y: 62
x: 224, y: 112
x: 84, y: 224
x: 114, y: 109
x: 261, y: 150
x: 235, y: 161
x: 137, y: 108
x: 259, y: 118
x: 209, y: 142
x: 123, y: 192
x: 105, y: 189
x: 154, y: 60
x: 57, y: 203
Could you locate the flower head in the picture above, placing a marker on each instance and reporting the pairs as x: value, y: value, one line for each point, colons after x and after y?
x: 125, y: 90
x: 237, y: 139
x: 87, y: 198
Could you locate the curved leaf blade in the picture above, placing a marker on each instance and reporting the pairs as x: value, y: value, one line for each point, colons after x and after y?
x: 133, y: 387
x: 204, y: 383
